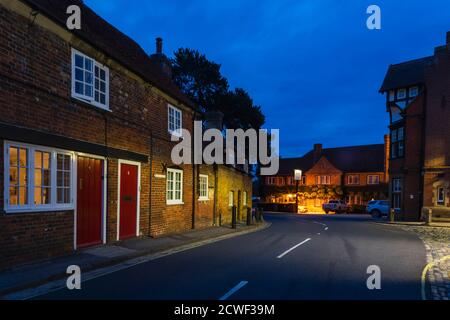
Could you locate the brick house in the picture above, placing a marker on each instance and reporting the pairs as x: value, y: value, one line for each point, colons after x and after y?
x: 417, y: 95
x: 86, y: 119
x: 357, y: 174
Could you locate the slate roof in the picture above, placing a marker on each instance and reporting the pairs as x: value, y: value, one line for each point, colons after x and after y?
x: 406, y: 74
x: 112, y: 42
x: 367, y: 158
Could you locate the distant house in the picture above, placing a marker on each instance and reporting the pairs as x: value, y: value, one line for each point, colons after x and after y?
x: 357, y: 174
x: 418, y: 101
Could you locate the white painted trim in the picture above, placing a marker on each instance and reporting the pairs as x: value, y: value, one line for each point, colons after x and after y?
x: 30, y: 207
x: 205, y: 198
x: 174, y: 132
x: 138, y: 206
x: 175, y: 202
x: 84, y: 98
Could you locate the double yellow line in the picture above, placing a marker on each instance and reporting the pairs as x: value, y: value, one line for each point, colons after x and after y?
x: 424, y: 274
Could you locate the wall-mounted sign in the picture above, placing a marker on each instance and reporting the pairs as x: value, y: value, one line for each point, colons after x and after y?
x: 298, y: 175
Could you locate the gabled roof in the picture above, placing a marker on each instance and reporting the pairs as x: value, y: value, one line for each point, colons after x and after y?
x: 112, y: 42
x: 367, y: 158
x: 406, y: 74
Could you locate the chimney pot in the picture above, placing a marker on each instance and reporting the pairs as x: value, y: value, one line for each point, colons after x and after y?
x: 159, y: 44
x: 317, y: 153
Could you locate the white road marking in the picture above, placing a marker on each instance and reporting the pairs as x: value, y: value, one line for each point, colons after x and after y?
x: 318, y: 234
x: 239, y: 286
x: 326, y: 228
x: 293, y: 248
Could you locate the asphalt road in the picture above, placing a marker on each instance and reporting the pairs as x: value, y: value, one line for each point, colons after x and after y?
x: 277, y: 263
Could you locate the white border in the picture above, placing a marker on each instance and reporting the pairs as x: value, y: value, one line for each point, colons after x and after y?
x: 87, y: 99
x: 138, y: 207
x: 30, y: 207
x: 175, y: 202
x: 206, y: 198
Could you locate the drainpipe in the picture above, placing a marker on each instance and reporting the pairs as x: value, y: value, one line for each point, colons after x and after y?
x: 150, y: 186
x: 194, y: 172
x: 422, y: 154
x: 216, y: 183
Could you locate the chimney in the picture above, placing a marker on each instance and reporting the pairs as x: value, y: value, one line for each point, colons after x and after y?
x: 317, y: 153
x: 159, y: 44
x: 159, y: 59
x: 213, y: 120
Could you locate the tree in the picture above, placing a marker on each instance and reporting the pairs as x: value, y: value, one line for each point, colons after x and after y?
x: 201, y: 80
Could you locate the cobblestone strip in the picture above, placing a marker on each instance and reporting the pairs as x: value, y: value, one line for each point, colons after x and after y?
x: 437, y: 244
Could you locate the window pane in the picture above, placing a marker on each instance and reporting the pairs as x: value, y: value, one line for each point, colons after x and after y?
x: 13, y: 157
x: 79, y: 87
x: 79, y: 75
x: 37, y: 196
x: 13, y: 176
x: 13, y: 196
x: 88, y: 90
x: 38, y: 177
x: 102, y: 99
x: 88, y: 64
x: 38, y: 159
x: 88, y: 78
x: 23, y: 158
x: 23, y: 196
x: 46, y: 195
x: 60, y: 195
x: 102, y: 74
x: 78, y: 61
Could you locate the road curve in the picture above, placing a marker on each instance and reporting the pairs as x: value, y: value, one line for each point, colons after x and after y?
x: 297, y: 258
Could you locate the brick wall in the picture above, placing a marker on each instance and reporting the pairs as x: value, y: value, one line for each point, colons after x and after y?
x: 437, y: 133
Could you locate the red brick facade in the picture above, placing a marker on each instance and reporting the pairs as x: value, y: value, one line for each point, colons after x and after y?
x: 35, y: 100
x: 322, y: 180
x: 423, y: 171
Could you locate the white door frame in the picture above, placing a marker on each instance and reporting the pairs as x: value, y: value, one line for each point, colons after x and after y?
x: 105, y: 184
x: 138, y: 206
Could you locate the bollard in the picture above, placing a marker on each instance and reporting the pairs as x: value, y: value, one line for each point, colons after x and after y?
x: 249, y: 216
x: 392, y: 215
x: 233, y: 217
x: 430, y: 216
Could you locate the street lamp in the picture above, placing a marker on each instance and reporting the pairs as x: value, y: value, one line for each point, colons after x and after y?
x: 297, y: 178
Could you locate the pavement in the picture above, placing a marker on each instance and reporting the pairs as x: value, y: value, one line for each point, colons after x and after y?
x: 32, y: 275
x: 300, y: 257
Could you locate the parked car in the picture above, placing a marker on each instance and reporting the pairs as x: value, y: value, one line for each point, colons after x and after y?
x: 337, y: 206
x: 378, y: 208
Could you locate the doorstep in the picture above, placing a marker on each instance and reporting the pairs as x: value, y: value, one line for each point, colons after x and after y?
x: 39, y: 273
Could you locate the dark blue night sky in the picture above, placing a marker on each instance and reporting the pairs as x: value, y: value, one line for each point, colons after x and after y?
x: 312, y: 65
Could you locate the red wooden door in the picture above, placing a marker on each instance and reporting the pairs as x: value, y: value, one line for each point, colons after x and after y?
x: 89, y: 201
x: 128, y: 200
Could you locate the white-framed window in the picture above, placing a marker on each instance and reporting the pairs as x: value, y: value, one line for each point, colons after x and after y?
x: 397, y: 193
x: 353, y: 179
x: 413, y: 92
x: 231, y: 198
x: 174, y: 120
x: 37, y: 178
x: 401, y: 94
x: 90, y: 80
x: 174, y: 186
x: 244, y: 198
x: 203, y: 187
x: 391, y: 95
x: 323, y: 180
x: 373, y: 179
x: 440, y: 196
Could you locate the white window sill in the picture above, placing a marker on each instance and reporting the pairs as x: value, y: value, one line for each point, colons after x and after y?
x: 175, y: 203
x: 203, y: 199
x: 94, y: 104
x: 34, y: 210
x: 176, y: 134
